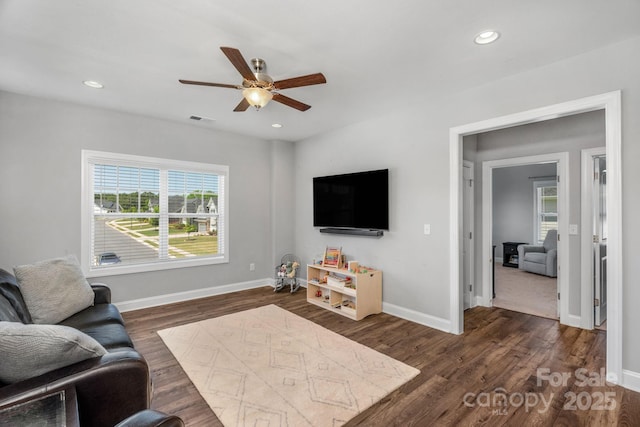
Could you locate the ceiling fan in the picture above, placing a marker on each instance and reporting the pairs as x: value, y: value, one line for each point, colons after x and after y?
x: 258, y: 88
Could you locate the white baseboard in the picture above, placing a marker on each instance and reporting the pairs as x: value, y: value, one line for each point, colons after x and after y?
x: 631, y: 380
x: 483, y: 302
x: 475, y: 301
x: 417, y: 317
x: 189, y: 295
x: 573, y: 320
x: 394, y: 310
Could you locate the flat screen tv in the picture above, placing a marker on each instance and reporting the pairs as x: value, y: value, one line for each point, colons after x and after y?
x: 355, y: 200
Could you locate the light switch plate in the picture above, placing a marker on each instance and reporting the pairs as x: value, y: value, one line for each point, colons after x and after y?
x: 573, y: 229
x: 427, y: 229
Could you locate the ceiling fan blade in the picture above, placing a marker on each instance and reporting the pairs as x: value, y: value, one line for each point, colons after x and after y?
x: 191, y: 82
x: 238, y: 61
x: 290, y: 102
x: 311, y: 79
x: 244, y: 104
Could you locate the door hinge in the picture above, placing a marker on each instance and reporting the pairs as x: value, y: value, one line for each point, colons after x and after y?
x: 558, y: 237
x: 596, y: 238
x: 471, y: 235
x: 596, y: 302
x: 595, y: 176
x: 470, y: 287
x: 470, y: 183
x: 558, y: 178
x: 558, y: 295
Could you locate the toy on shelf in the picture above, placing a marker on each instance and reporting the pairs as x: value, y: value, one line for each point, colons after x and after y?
x: 332, y: 257
x: 286, y: 273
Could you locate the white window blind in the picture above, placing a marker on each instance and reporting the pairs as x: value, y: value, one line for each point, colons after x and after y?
x: 145, y: 214
x: 546, y: 209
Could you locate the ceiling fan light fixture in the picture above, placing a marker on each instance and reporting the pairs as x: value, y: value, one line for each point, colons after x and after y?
x: 257, y: 96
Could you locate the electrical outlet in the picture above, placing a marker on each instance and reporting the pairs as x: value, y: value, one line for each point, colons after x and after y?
x: 427, y: 229
x: 252, y: 267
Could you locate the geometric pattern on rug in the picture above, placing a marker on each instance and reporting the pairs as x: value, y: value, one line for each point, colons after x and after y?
x: 269, y: 367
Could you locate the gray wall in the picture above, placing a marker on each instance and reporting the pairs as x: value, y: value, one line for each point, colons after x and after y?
x: 513, y: 203
x: 40, y: 163
x: 283, y: 200
x: 414, y: 144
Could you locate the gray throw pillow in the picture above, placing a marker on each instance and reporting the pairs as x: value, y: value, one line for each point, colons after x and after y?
x: 54, y: 289
x: 27, y: 351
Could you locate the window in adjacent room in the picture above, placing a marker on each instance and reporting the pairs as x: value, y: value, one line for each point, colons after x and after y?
x: 143, y: 214
x: 545, y: 194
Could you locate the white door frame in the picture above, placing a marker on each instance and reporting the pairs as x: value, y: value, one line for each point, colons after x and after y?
x: 609, y: 102
x: 586, y: 243
x: 562, y: 171
x: 471, y: 257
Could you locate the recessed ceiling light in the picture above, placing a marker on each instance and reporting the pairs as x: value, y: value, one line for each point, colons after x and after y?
x: 94, y: 84
x: 487, y: 36
x: 276, y: 125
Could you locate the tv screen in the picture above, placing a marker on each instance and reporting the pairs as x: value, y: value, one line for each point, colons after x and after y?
x: 355, y: 200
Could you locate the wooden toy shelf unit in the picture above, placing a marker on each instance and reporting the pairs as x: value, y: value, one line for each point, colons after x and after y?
x: 353, y: 295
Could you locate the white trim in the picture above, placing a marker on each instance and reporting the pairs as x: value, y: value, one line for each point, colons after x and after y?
x: 562, y: 171
x: 472, y: 230
x: 417, y: 317
x: 485, y: 301
x: 573, y: 320
x: 630, y: 379
x: 613, y: 138
x: 476, y: 301
x: 609, y: 102
x: 158, y: 300
x: 586, y: 242
x: 456, y: 304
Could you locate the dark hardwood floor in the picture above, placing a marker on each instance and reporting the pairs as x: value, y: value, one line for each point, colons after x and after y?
x: 492, y: 367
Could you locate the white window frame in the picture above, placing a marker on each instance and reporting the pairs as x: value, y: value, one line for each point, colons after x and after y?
x: 91, y: 158
x: 536, y: 208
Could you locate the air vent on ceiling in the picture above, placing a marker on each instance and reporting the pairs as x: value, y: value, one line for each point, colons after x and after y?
x: 202, y: 119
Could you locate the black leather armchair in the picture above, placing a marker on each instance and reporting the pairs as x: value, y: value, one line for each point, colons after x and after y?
x: 151, y: 418
x: 109, y: 388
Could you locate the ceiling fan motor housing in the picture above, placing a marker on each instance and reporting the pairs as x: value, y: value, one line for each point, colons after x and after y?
x: 264, y: 80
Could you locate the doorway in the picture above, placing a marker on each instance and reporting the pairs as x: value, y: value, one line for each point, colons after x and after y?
x: 468, y: 234
x: 595, y: 237
x: 561, y: 162
x: 524, y: 224
x: 611, y: 104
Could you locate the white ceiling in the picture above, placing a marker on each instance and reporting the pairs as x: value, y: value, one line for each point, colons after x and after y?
x: 377, y: 56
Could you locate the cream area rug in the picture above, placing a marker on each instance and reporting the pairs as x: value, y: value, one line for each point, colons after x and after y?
x: 530, y: 293
x: 269, y: 367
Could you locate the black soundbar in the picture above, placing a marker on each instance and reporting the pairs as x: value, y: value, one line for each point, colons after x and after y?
x: 353, y: 231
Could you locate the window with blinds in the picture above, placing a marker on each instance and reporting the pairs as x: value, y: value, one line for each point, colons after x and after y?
x: 545, y: 209
x: 142, y: 214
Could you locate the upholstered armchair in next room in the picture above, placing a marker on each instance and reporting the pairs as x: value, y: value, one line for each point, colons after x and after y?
x: 540, y: 259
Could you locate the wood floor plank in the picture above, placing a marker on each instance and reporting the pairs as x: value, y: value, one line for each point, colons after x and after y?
x: 500, y: 352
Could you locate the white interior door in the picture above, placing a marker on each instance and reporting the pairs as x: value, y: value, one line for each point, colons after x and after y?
x: 467, y: 235
x: 599, y: 203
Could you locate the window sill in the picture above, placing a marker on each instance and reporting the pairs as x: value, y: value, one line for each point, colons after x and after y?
x: 151, y: 267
